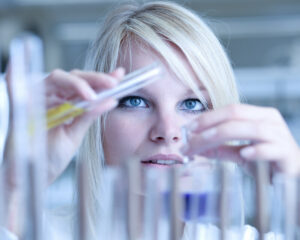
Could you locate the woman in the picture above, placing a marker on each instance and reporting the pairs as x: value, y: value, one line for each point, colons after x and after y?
x: 146, y: 124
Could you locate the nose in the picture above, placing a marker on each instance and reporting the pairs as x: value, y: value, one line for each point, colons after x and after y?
x: 166, y: 129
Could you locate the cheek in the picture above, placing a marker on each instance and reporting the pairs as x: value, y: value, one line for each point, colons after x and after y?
x: 123, y: 136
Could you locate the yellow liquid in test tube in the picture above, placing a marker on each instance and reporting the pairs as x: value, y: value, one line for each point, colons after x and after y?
x: 132, y: 82
x: 62, y: 113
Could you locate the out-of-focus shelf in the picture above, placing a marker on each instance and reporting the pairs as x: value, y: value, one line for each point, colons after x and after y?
x: 248, y: 29
x: 269, y: 83
x: 221, y: 8
x: 45, y: 3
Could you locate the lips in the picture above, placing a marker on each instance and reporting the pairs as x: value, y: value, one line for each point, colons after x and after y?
x: 163, y: 159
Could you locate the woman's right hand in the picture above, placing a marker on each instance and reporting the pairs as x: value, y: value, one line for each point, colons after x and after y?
x: 65, y: 139
x: 61, y: 86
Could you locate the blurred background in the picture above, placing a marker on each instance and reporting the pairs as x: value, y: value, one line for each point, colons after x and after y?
x: 262, y: 38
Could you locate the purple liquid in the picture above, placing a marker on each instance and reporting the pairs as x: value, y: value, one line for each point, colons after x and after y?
x: 200, y: 207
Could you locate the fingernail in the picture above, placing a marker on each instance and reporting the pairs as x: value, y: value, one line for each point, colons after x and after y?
x: 209, y: 133
x: 247, y: 152
x: 114, y: 82
x: 120, y: 71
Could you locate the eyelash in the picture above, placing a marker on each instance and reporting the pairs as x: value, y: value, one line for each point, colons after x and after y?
x: 203, y: 107
x: 123, y: 104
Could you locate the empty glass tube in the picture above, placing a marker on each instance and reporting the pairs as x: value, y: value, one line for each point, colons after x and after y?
x: 28, y: 133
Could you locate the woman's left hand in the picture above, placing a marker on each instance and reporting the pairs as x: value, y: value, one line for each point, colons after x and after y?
x: 264, y: 128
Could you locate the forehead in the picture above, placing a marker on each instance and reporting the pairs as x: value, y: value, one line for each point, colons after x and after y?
x: 138, y: 54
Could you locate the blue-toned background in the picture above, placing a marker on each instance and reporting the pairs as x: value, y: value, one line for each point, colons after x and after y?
x: 262, y: 38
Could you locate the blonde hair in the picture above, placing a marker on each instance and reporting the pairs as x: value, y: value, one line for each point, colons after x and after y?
x: 161, y: 26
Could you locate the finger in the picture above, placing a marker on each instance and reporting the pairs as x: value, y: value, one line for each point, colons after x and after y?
x: 102, y: 107
x: 263, y: 151
x: 224, y: 153
x: 270, y: 153
x: 66, y: 85
x: 233, y: 130
x: 209, y: 150
x: 81, y: 124
x: 235, y: 112
x: 53, y: 100
x: 99, y: 81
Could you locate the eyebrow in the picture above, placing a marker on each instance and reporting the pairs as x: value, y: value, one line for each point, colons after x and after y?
x: 188, y: 92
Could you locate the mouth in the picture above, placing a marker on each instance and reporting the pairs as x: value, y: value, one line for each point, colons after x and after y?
x: 163, y: 160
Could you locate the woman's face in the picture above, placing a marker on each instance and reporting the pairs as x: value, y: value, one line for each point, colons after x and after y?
x: 147, y: 123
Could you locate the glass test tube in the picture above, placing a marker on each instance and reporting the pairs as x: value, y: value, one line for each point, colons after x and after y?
x: 4, y: 115
x: 262, y: 197
x: 284, y: 207
x: 19, y: 148
x: 194, y: 205
x: 28, y: 131
x: 231, y: 202
x: 290, y: 199
x: 132, y: 82
x: 152, y: 205
x: 82, y: 203
x: 120, y: 214
x: 175, y: 204
x: 107, y: 193
x: 277, y: 204
x: 134, y: 199
x: 224, y: 201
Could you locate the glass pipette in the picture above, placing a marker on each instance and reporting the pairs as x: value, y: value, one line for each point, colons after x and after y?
x: 132, y: 82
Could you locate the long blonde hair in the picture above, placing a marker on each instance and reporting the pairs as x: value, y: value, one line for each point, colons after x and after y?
x: 159, y: 25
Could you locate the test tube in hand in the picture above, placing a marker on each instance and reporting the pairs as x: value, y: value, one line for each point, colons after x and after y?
x: 132, y: 82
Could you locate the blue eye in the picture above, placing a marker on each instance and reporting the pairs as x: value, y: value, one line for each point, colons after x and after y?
x: 192, y: 105
x: 133, y: 102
